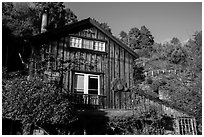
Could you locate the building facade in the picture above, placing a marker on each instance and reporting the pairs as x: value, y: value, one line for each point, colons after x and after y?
x: 97, y: 70
x: 99, y: 60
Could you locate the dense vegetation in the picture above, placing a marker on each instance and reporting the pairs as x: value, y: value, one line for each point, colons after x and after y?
x: 35, y: 101
x: 184, y: 86
x: 24, y: 19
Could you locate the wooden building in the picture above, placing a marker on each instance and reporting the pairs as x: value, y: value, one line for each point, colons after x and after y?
x: 98, y: 71
x: 100, y: 61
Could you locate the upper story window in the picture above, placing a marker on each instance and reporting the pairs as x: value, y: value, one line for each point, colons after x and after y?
x: 75, y: 42
x: 87, y: 44
x: 100, y: 46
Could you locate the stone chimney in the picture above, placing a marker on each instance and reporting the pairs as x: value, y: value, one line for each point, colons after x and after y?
x: 44, y: 21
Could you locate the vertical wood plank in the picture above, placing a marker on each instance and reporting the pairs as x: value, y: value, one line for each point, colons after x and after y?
x: 107, y: 76
x: 68, y: 72
x: 131, y: 72
x: 64, y: 65
x: 122, y: 75
x: 127, y: 79
x: 112, y: 74
x: 99, y: 60
x: 116, y: 70
x: 116, y: 59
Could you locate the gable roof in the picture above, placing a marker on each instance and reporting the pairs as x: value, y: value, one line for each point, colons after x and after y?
x: 73, y: 28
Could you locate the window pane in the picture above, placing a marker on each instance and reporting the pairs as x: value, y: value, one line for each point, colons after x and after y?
x: 88, y: 44
x: 75, y: 42
x: 100, y: 46
x: 79, y: 83
x: 91, y: 44
x: 93, y: 85
x: 103, y: 46
x: 96, y: 45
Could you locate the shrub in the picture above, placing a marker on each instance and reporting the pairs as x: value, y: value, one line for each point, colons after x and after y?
x: 35, y: 102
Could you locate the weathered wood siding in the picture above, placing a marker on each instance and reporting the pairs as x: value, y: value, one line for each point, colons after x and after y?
x: 115, y: 62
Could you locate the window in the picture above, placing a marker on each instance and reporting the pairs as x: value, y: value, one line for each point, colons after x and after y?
x: 79, y: 83
x: 93, y: 85
x: 100, y: 46
x: 186, y: 126
x: 87, y: 44
x: 75, y: 42
x: 86, y: 83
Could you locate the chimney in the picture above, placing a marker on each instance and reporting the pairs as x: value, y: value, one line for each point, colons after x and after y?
x: 44, y: 21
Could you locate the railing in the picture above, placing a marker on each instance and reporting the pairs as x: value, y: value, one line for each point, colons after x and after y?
x: 88, y: 100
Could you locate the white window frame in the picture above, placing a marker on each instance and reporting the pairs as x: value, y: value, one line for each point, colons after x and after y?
x: 96, y: 45
x: 88, y: 42
x: 100, y: 46
x: 75, y: 42
x: 86, y: 81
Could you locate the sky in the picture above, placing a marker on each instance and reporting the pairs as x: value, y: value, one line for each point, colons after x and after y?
x: 164, y: 20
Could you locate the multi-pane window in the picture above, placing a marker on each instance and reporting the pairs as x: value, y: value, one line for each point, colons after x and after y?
x: 75, y: 42
x: 186, y: 126
x: 87, y: 44
x: 86, y: 83
x: 100, y: 46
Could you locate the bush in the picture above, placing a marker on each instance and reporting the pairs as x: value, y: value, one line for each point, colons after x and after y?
x: 35, y: 102
x: 144, y: 123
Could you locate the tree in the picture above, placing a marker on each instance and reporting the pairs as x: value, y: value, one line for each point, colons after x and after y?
x: 175, y: 41
x: 58, y: 15
x: 178, y: 56
x: 24, y: 19
x: 124, y: 37
x: 140, y: 40
x: 194, y: 50
x: 184, y: 86
x: 21, y: 20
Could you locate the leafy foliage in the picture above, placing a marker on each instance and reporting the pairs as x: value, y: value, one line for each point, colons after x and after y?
x: 35, y: 102
x: 24, y: 19
x: 184, y: 85
x: 145, y: 123
x: 140, y: 40
x: 175, y: 41
x: 58, y: 14
x: 38, y: 99
x: 124, y: 37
